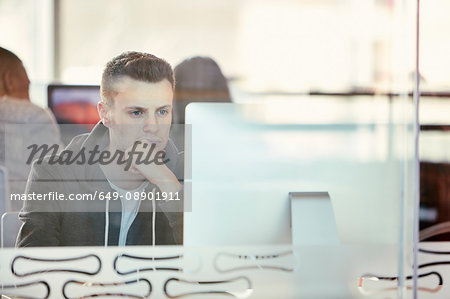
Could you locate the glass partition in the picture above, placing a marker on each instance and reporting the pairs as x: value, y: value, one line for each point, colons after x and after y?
x: 248, y: 159
x: 303, y: 185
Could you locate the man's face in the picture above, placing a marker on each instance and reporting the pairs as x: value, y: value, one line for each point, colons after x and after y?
x: 141, y: 111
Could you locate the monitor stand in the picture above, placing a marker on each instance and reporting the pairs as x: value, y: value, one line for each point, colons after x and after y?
x: 312, y: 219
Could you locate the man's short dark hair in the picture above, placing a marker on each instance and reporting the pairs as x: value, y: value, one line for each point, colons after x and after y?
x: 136, y: 65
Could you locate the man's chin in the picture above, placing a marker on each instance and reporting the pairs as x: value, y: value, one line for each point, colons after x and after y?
x: 134, y: 174
x: 128, y: 175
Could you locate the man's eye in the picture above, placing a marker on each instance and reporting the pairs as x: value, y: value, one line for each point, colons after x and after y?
x: 163, y: 112
x: 136, y: 113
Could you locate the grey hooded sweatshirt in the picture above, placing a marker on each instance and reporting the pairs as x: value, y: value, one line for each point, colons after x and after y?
x: 52, y: 222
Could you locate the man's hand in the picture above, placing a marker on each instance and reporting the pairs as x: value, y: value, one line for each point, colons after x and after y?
x: 156, y: 171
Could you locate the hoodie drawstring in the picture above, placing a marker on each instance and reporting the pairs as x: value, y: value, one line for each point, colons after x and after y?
x: 106, y: 222
x: 153, y: 219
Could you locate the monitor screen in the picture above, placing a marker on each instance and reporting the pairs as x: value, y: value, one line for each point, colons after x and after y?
x: 75, y: 104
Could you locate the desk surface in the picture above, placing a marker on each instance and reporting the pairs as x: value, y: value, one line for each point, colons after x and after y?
x: 254, y: 272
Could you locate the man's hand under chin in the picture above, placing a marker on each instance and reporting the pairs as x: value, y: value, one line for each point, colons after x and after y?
x: 149, y: 160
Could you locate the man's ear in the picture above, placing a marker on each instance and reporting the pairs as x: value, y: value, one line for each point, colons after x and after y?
x: 104, y: 113
x: 8, y: 81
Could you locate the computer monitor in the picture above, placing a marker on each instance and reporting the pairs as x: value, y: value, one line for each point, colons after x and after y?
x: 74, y: 107
x: 74, y: 104
x: 247, y: 158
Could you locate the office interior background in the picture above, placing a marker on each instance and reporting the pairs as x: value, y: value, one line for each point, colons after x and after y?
x: 267, y: 49
x: 360, y: 53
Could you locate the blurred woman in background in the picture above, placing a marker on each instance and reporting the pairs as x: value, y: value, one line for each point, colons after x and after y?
x: 198, y: 79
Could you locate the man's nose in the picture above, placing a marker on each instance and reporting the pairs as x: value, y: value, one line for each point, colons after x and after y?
x: 151, y: 124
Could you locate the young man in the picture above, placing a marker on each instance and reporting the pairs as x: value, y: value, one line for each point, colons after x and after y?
x: 108, y: 194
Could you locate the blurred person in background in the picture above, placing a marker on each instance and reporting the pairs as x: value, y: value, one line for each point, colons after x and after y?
x: 199, y: 79
x: 35, y: 125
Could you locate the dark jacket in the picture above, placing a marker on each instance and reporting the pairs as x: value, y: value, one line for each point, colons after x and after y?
x: 82, y: 223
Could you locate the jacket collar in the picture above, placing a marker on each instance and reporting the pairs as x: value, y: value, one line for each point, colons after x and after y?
x: 99, y: 136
